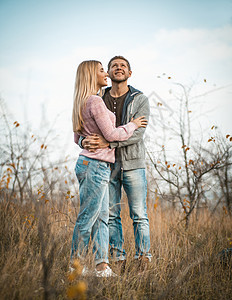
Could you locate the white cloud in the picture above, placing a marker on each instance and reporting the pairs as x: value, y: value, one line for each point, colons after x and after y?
x: 197, y: 50
x: 184, y: 54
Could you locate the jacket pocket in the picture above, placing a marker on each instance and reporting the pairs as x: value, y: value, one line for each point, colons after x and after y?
x: 135, y: 151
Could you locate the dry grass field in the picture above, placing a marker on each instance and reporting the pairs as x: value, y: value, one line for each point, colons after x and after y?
x: 35, y: 241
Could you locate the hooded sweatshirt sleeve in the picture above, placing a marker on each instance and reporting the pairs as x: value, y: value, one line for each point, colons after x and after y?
x: 143, y: 110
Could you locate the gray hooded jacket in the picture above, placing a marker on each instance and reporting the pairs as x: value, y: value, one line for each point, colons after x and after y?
x: 132, y: 151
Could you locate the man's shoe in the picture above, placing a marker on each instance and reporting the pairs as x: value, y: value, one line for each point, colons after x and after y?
x: 120, y: 266
x: 143, y: 263
x: 107, y: 272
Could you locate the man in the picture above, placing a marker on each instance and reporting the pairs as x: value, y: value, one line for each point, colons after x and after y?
x: 129, y: 169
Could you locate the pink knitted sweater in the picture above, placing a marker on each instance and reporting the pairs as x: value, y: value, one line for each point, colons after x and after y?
x: 98, y: 119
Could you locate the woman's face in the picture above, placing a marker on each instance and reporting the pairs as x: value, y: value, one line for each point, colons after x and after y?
x: 101, y: 76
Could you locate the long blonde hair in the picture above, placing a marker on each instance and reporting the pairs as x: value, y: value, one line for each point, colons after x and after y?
x: 85, y: 86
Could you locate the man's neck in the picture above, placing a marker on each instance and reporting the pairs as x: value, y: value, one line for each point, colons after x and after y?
x: 119, y: 89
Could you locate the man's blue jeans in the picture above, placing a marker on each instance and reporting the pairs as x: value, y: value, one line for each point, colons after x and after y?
x: 135, y: 185
x: 92, y: 221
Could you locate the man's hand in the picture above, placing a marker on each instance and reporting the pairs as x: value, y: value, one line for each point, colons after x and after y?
x: 94, y: 142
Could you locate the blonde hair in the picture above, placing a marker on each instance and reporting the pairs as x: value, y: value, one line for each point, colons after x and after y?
x: 85, y: 86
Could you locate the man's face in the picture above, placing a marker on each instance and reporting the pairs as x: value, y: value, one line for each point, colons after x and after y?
x: 119, y: 71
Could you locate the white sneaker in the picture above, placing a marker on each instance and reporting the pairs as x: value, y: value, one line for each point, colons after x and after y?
x: 107, y: 272
x: 71, y: 269
x: 85, y: 271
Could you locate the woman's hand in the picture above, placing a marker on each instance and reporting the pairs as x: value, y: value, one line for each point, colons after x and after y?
x: 140, y: 121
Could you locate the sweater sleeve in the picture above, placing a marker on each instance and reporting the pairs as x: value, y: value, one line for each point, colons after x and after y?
x: 101, y: 116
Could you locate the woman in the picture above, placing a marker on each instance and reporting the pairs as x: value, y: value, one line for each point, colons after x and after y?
x: 90, y: 115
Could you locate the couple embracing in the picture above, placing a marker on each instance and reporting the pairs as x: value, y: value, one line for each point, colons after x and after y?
x: 109, y: 126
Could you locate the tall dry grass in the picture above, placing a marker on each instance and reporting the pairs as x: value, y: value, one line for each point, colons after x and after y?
x: 35, y: 249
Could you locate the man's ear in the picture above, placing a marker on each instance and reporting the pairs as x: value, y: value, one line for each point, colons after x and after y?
x: 130, y: 73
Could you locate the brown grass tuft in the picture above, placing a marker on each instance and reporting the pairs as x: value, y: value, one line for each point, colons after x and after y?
x: 35, y: 249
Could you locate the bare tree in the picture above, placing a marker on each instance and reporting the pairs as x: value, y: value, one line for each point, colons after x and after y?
x: 221, y: 151
x: 182, y: 175
x: 26, y: 163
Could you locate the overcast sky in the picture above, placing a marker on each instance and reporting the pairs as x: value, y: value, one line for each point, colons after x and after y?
x: 42, y: 43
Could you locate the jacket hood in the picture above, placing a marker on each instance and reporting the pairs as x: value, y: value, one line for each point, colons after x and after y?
x: 129, y: 98
x: 132, y: 90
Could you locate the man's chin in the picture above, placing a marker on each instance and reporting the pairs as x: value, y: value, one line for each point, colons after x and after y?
x: 118, y: 80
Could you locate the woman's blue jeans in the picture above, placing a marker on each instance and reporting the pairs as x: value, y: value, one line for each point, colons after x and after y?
x: 135, y: 185
x: 92, y: 221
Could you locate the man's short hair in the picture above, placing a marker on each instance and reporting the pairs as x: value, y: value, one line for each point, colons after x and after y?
x: 119, y: 57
